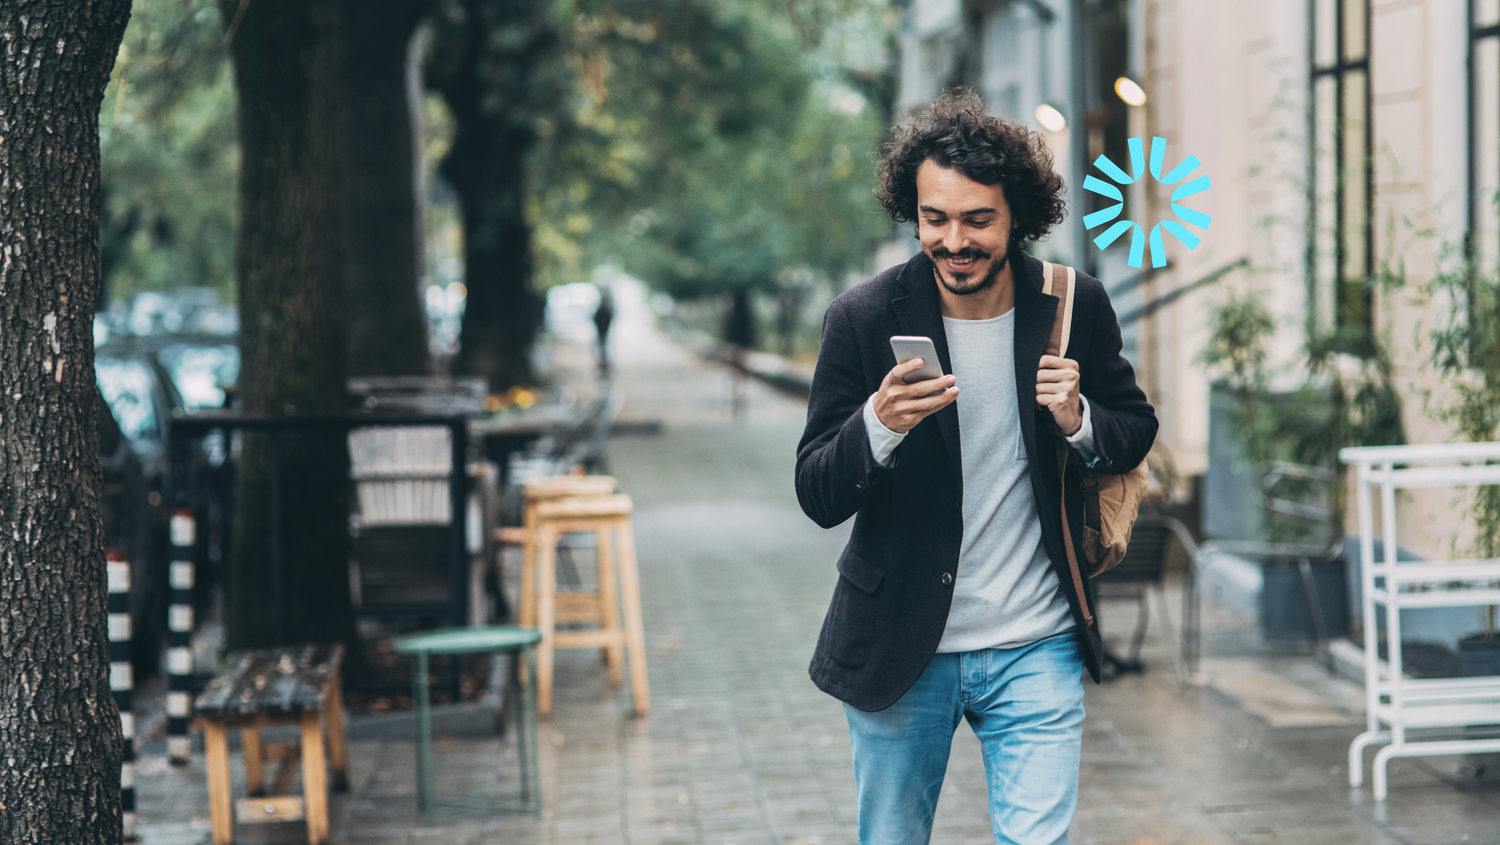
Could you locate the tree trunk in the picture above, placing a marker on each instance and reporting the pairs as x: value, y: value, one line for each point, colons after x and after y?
x: 59, y: 727
x: 387, y: 327
x: 502, y: 314
x: 487, y: 81
x: 292, y: 335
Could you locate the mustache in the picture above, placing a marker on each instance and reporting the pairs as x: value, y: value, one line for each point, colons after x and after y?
x: 941, y: 252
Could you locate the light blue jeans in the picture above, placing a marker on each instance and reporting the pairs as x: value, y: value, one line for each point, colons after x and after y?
x: 1026, y: 706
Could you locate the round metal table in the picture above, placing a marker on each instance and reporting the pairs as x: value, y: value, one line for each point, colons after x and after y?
x: 492, y: 639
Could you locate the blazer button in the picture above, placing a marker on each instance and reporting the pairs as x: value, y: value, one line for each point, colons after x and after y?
x: 859, y: 485
x: 947, y: 579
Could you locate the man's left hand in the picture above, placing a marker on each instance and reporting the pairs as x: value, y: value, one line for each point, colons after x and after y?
x: 1057, y: 391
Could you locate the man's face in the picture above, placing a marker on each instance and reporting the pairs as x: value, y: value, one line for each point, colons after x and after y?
x: 964, y: 227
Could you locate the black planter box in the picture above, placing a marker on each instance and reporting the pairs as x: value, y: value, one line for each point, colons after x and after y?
x: 1284, y: 611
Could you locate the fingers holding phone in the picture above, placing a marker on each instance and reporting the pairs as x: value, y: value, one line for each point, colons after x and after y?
x: 901, y: 402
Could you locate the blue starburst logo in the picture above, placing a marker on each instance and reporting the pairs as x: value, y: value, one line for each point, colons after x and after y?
x: 1137, y: 234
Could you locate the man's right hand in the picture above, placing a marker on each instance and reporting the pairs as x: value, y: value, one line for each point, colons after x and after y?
x: 900, y: 406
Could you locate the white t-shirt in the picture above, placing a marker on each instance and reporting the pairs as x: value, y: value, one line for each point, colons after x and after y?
x: 1004, y: 594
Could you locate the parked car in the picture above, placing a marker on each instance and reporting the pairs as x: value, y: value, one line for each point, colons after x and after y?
x: 142, y: 382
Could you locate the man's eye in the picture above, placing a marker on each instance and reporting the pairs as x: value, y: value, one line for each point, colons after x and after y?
x: 980, y: 224
x: 935, y: 221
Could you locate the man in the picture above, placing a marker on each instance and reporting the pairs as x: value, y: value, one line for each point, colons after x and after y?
x: 955, y: 597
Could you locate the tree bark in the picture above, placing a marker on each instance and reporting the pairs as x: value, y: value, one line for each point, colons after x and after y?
x: 485, y: 58
x: 291, y: 266
x: 59, y: 727
x: 387, y: 327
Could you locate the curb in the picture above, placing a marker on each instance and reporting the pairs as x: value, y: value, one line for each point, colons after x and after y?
x: 789, y: 377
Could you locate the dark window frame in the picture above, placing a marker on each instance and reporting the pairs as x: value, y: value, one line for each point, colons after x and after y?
x: 1341, y: 68
x: 1477, y: 34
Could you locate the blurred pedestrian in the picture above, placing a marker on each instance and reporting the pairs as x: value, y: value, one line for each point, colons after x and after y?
x: 739, y: 338
x: 956, y: 598
x: 604, y: 314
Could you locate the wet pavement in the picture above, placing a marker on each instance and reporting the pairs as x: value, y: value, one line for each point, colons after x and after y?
x: 741, y: 749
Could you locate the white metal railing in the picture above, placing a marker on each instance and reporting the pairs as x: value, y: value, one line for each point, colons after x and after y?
x: 1395, y: 704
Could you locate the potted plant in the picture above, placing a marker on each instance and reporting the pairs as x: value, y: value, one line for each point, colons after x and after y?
x: 1466, y: 354
x: 1343, y: 396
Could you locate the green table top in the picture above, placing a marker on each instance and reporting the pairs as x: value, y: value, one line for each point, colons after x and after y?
x: 469, y: 640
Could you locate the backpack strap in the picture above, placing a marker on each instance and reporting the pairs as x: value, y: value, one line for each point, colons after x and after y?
x: 1059, y: 281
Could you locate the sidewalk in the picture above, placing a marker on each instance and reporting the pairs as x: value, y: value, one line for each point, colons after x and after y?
x: 741, y: 749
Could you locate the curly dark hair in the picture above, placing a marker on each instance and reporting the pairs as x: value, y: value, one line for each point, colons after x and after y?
x: 957, y: 132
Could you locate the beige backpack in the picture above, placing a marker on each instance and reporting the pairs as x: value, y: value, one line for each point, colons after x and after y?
x: 1110, y: 501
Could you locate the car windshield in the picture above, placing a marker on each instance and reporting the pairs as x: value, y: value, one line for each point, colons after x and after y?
x: 201, y: 372
x: 126, y: 385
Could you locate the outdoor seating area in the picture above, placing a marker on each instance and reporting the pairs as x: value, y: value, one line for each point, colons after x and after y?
x: 433, y: 522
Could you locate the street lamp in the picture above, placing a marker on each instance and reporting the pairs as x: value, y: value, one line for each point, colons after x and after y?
x: 1130, y: 92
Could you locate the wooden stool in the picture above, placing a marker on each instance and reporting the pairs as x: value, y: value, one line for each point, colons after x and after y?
x: 268, y: 688
x: 572, y: 607
x: 600, y: 516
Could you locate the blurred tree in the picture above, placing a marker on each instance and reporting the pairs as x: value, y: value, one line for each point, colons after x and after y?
x: 716, y: 146
x: 59, y: 724
x: 381, y: 78
x: 291, y: 264
x: 170, y: 155
x: 484, y: 61
x: 709, y: 144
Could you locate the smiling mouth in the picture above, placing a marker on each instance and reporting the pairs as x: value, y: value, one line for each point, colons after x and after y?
x: 960, y: 263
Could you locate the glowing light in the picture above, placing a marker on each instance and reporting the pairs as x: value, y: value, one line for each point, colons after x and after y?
x: 1050, y: 118
x: 457, y: 292
x: 1130, y: 92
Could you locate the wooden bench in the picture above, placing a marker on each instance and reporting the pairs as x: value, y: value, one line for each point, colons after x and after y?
x: 266, y: 688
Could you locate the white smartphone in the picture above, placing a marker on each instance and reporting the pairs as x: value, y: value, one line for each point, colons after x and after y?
x: 907, y: 347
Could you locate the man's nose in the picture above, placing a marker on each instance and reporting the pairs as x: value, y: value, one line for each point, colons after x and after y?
x: 954, y: 239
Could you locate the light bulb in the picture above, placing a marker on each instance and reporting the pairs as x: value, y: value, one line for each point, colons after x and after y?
x: 1050, y: 118
x: 1130, y: 92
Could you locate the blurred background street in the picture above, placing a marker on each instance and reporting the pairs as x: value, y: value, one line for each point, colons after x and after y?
x: 399, y: 311
x: 740, y: 748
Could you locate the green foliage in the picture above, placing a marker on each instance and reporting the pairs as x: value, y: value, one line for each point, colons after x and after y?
x: 1465, y: 351
x: 1339, y: 401
x: 709, y: 145
x: 1237, y: 342
x: 170, y: 153
x: 1238, y: 332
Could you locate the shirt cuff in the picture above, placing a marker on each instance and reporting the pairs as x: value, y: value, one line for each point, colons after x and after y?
x: 1082, y: 440
x: 883, y: 441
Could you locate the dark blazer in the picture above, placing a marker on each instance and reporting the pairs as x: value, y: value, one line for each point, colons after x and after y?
x: 891, y: 603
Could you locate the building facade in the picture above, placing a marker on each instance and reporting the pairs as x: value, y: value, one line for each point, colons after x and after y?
x: 1343, y: 138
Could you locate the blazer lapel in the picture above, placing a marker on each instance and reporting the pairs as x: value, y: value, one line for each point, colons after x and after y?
x: 1035, y: 312
x: 919, y: 313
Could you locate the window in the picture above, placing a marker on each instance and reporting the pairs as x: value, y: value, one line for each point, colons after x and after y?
x: 1107, y: 115
x: 1341, y: 173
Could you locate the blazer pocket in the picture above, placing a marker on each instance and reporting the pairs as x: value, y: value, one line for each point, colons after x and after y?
x: 860, y: 572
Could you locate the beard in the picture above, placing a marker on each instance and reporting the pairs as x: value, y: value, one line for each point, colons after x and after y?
x: 967, y: 284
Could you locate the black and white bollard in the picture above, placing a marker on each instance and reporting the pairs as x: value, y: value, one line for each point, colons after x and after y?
x: 122, y: 680
x: 179, y: 637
